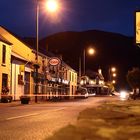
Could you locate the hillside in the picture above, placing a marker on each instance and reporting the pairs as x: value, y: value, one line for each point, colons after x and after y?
x: 111, y: 50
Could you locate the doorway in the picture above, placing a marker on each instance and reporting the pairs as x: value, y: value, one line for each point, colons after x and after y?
x: 27, y: 83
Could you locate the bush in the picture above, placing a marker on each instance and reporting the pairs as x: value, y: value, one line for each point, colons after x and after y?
x: 6, y: 98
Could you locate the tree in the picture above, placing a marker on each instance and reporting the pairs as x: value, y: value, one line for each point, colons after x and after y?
x: 111, y: 87
x: 133, y: 78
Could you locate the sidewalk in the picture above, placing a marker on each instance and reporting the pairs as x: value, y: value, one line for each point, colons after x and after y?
x: 39, y: 102
x: 18, y: 103
x: 118, y: 120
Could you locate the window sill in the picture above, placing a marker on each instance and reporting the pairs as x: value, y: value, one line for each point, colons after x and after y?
x: 3, y: 64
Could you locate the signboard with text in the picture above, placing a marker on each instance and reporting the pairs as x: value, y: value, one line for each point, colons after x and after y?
x: 54, y: 61
x: 137, y: 28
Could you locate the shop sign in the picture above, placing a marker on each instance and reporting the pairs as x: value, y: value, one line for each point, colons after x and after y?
x: 65, y: 82
x: 22, y: 68
x: 54, y: 61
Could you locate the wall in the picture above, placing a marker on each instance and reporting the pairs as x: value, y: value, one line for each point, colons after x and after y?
x: 7, y: 67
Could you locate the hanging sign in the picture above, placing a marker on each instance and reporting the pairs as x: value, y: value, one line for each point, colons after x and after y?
x: 54, y: 61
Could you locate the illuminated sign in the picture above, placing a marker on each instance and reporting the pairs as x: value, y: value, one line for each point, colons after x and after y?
x: 22, y: 68
x: 137, y: 27
x: 54, y: 61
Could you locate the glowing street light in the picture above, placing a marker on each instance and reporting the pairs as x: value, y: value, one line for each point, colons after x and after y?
x: 52, y: 5
x: 91, y: 51
x: 113, y: 69
x: 113, y: 81
x: 114, y: 75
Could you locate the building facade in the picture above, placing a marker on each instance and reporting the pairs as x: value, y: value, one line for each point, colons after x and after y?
x: 96, y: 85
x: 5, y: 64
x: 18, y: 74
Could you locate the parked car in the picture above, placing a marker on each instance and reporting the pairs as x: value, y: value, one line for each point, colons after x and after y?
x: 81, y: 93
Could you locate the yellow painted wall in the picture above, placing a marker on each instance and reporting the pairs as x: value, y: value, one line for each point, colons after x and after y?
x: 7, y: 67
x: 18, y: 47
x: 72, y: 77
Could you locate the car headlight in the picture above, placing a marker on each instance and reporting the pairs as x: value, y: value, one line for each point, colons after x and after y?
x: 123, y: 95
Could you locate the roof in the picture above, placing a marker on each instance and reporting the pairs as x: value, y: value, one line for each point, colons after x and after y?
x: 16, y: 36
x: 18, y: 56
x: 30, y: 42
x: 4, y: 40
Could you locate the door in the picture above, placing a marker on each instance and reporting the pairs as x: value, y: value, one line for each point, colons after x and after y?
x: 4, y: 80
x: 27, y: 83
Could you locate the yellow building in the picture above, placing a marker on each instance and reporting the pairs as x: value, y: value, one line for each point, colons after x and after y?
x: 72, y: 77
x: 19, y: 67
x: 5, y: 63
x: 20, y: 56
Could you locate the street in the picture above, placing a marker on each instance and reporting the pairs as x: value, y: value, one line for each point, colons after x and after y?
x: 38, y: 121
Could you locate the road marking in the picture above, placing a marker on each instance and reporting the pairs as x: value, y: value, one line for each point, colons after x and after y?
x: 17, y: 117
x: 33, y: 114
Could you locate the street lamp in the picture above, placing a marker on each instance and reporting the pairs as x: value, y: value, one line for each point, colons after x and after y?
x: 90, y: 51
x: 112, y: 74
x: 51, y: 6
x: 113, y: 69
x: 113, y: 81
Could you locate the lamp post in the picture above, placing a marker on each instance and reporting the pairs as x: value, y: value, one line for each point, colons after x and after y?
x: 36, y: 59
x: 84, y: 62
x: 79, y: 69
x: 51, y: 6
x: 90, y: 51
x: 112, y: 73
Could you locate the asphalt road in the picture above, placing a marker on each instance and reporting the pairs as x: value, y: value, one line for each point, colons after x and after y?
x: 38, y: 121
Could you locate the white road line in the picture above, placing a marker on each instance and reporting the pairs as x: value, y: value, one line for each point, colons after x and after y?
x: 17, y: 117
x: 33, y: 114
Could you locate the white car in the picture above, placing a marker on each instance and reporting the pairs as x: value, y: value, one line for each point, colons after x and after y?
x: 81, y: 93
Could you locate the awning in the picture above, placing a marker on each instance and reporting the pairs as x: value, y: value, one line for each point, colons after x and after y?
x: 18, y: 56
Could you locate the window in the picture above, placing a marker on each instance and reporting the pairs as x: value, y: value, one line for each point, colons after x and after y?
x: 20, y: 79
x: 70, y: 76
x: 75, y: 77
x: 3, y: 54
x: 66, y: 75
x: 4, y: 80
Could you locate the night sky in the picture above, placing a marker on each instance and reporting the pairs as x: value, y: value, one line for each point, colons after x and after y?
x: 75, y: 15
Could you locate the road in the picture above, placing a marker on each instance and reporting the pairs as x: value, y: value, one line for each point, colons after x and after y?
x: 38, y: 121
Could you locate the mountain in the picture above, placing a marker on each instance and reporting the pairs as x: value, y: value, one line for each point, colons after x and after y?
x: 112, y: 49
